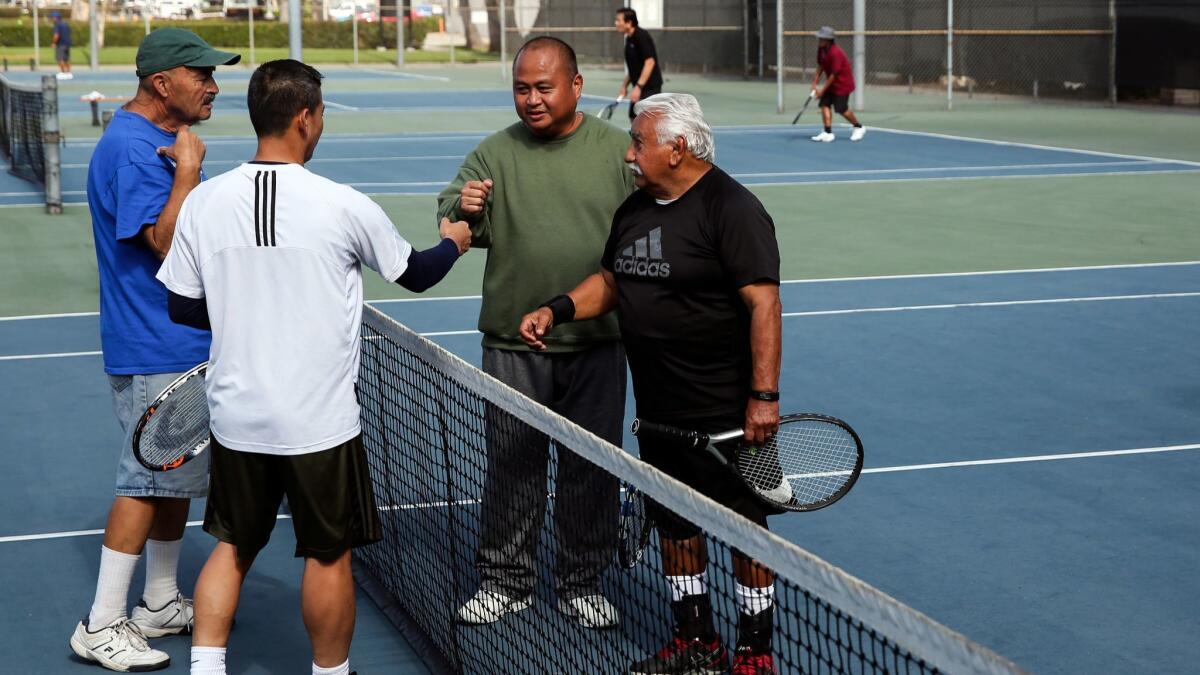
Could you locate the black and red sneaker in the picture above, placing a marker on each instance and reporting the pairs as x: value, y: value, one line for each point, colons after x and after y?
x: 748, y: 662
x: 685, y: 657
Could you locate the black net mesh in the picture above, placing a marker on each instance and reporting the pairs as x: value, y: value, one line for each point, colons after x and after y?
x: 21, y: 111
x: 429, y: 424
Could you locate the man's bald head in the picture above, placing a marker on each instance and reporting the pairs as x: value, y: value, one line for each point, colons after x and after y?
x: 563, y: 50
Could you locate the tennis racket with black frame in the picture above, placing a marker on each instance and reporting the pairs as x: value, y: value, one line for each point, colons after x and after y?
x: 635, y: 527
x: 174, y: 429
x: 810, y: 463
x: 804, y: 107
x: 606, y: 112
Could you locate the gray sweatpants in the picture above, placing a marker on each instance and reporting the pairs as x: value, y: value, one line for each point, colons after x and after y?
x: 588, y: 388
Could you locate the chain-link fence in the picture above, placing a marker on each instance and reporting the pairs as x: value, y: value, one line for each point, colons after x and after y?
x: 1039, y: 48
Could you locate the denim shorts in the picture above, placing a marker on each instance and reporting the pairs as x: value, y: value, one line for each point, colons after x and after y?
x: 132, y: 394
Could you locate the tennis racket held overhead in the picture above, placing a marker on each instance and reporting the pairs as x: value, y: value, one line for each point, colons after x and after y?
x: 174, y: 428
x: 811, y: 462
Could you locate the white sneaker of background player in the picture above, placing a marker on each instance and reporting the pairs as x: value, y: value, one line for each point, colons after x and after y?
x: 858, y: 133
x: 119, y: 646
x: 823, y: 137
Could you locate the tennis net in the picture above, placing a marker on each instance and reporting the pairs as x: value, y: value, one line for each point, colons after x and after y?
x: 427, y: 418
x: 29, y: 134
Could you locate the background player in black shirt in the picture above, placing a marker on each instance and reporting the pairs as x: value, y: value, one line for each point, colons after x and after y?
x: 641, y: 60
x: 692, y: 267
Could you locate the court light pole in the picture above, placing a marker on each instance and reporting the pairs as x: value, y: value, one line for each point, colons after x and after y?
x: 37, y: 47
x: 860, y: 52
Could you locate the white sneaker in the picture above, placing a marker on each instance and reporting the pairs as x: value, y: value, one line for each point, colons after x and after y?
x: 173, y: 618
x: 489, y: 606
x: 824, y: 137
x: 119, y: 646
x: 591, y: 611
x: 858, y: 133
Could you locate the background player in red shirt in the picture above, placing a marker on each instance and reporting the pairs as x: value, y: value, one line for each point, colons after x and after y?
x: 839, y: 83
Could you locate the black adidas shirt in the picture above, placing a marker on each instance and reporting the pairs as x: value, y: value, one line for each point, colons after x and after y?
x: 678, y: 268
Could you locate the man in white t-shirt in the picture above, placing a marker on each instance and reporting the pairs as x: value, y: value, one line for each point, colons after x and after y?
x: 269, y: 257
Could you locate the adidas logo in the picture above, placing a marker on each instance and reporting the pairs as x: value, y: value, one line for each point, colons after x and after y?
x: 644, y: 258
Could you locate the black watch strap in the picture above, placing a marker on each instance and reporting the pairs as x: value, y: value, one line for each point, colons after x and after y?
x: 764, y: 395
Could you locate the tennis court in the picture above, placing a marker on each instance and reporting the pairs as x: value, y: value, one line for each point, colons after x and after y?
x: 1001, y: 299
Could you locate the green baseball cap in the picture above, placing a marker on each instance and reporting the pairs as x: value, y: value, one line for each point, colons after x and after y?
x: 168, y: 48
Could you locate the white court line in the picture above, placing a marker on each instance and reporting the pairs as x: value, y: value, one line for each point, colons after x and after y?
x: 341, y: 106
x: 934, y: 179
x: 827, y: 312
x: 405, y: 76
x: 933, y: 169
x: 882, y: 469
x: 885, y: 277
x: 1001, y: 303
x: 319, y: 160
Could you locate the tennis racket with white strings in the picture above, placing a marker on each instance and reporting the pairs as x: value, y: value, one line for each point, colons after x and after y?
x: 606, y: 112
x: 810, y: 463
x: 174, y: 428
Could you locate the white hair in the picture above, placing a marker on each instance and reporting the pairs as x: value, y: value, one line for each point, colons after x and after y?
x: 679, y: 116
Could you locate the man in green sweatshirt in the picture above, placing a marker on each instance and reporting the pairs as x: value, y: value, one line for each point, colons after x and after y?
x: 540, y: 197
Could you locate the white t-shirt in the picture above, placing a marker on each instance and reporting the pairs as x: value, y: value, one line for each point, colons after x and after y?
x: 277, y: 250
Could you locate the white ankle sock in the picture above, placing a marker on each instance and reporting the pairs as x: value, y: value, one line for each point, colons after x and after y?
x: 208, y: 661
x: 751, y: 600
x: 112, y: 588
x: 688, y: 585
x: 162, y: 562
x: 343, y: 669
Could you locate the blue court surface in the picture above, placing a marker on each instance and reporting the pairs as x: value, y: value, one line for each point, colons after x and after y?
x: 1032, y: 442
x: 381, y: 164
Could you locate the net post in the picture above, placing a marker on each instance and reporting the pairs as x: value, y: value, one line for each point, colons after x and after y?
x: 779, y: 56
x: 1112, y: 52
x: 37, y: 45
x: 94, y: 34
x: 504, y: 40
x: 250, y: 28
x: 399, y: 33
x: 50, y: 144
x: 860, y: 52
x: 949, y: 54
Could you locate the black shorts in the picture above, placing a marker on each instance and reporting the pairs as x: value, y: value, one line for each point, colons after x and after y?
x: 701, y: 471
x: 646, y: 93
x: 840, y: 104
x: 329, y: 494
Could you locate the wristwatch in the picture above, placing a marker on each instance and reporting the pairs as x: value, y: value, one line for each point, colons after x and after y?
x: 764, y: 395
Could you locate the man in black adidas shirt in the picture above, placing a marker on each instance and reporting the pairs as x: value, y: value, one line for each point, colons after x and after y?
x: 641, y: 60
x: 692, y: 267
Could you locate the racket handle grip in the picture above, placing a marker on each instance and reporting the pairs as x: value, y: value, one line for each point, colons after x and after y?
x: 642, y: 427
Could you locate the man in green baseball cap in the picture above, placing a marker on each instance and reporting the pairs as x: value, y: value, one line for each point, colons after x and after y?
x: 145, y: 164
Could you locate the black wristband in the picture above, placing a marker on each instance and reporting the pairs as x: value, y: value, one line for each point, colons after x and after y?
x: 764, y: 395
x: 562, y: 307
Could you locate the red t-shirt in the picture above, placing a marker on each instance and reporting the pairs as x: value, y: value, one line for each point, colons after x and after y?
x: 834, y: 62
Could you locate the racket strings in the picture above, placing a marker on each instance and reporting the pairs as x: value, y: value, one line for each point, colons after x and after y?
x: 179, y: 424
x: 807, y: 463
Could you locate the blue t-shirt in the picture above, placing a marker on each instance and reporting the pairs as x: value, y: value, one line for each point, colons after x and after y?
x: 63, y: 30
x: 128, y: 185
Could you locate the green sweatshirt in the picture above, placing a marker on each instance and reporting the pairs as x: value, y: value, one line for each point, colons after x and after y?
x: 545, y: 225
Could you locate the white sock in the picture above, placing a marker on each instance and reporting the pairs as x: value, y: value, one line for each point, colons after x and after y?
x: 162, y: 561
x: 343, y: 669
x: 208, y: 661
x: 112, y: 588
x: 688, y: 585
x: 751, y: 600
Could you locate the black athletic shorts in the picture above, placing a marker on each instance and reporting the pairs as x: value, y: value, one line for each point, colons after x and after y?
x: 645, y: 94
x: 701, y: 471
x: 840, y: 104
x: 329, y: 494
